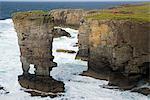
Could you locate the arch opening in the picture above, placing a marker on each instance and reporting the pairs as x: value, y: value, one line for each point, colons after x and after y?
x: 65, y: 50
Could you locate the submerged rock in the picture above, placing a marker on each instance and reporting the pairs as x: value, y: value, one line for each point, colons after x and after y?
x: 3, y: 90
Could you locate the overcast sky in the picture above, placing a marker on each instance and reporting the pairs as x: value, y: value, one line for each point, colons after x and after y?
x: 74, y: 0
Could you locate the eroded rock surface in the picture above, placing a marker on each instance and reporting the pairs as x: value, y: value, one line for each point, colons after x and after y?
x: 67, y: 17
x: 58, y: 32
x: 120, y: 50
x: 75, y: 18
x: 116, y: 50
x: 83, y: 41
x: 144, y: 90
x: 41, y: 86
x: 35, y: 41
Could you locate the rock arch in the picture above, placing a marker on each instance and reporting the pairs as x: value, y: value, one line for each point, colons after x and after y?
x: 108, y: 45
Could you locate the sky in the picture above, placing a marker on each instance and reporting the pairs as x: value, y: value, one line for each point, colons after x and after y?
x: 74, y: 0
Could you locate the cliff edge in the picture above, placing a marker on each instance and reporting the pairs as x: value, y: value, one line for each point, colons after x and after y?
x: 114, y: 41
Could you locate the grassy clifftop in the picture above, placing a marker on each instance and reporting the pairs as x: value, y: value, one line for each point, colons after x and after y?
x: 29, y: 13
x: 139, y: 12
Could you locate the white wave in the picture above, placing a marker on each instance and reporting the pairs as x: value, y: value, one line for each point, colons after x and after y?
x: 77, y: 87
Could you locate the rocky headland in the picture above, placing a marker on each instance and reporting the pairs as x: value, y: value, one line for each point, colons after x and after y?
x: 115, y: 41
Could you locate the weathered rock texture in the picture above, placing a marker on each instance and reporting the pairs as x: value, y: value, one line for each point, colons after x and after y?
x: 35, y: 41
x: 58, y: 32
x: 144, y: 90
x: 41, y: 86
x: 67, y: 17
x: 116, y: 50
x: 83, y: 41
x: 119, y: 50
x: 74, y: 18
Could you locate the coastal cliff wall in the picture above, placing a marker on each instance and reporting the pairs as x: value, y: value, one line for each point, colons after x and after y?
x: 36, y: 31
x: 119, y: 48
x: 116, y: 50
x: 74, y: 18
x: 83, y: 42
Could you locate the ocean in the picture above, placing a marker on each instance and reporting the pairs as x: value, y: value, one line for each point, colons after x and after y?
x: 68, y: 69
x: 7, y: 8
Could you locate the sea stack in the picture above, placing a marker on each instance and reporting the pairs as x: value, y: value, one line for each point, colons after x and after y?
x: 35, y: 39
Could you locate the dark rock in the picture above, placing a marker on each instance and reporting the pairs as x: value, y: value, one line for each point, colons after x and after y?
x: 145, y: 91
x: 123, y: 82
x: 41, y: 85
x: 58, y: 32
x: 75, y: 45
x: 65, y: 51
x: 3, y: 90
x: 103, y: 75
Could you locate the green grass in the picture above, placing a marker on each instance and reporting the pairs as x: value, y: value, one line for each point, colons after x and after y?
x: 65, y: 51
x: 33, y: 12
x: 28, y: 13
x: 139, y: 12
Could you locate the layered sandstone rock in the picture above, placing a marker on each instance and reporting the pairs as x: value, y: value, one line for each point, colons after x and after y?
x: 35, y: 41
x: 119, y: 50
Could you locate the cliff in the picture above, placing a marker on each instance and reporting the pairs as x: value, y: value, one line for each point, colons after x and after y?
x: 74, y: 18
x: 119, y: 49
x: 115, y: 41
x: 35, y: 36
x: 119, y: 45
x: 67, y: 17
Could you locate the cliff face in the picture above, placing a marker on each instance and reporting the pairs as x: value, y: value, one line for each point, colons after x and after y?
x: 35, y: 41
x: 67, y: 17
x: 116, y: 50
x: 119, y: 50
x: 74, y: 18
x: 58, y: 32
x: 83, y: 41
